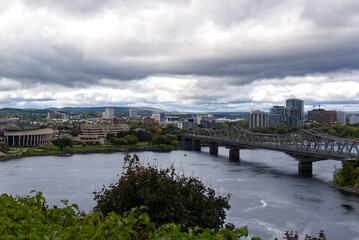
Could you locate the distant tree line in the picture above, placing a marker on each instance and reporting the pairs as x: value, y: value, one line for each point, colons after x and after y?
x: 338, y: 130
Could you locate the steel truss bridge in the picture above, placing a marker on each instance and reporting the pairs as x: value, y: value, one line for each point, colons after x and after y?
x: 304, y: 145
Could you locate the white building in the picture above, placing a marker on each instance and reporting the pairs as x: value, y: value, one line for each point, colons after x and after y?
x: 156, y: 116
x: 257, y: 118
x: 109, y: 113
x: 53, y: 114
x: 353, y: 119
x: 133, y: 113
x: 341, y: 117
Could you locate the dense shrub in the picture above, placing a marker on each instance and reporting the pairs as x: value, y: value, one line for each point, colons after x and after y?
x: 127, y: 140
x: 168, y: 139
x: 171, y: 198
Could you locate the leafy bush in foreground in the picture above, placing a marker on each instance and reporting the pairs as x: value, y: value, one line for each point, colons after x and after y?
x: 171, y: 198
x: 28, y: 217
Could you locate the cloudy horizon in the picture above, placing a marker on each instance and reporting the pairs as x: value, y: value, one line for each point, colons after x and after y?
x: 181, y: 55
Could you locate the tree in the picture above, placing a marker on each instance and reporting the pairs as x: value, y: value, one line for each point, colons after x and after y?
x: 171, y: 198
x: 83, y: 144
x: 281, y: 129
x: 62, y: 143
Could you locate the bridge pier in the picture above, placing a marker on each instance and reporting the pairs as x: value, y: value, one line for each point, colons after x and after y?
x: 234, y: 154
x: 305, y: 169
x: 197, y: 145
x: 213, y: 148
x: 188, y: 143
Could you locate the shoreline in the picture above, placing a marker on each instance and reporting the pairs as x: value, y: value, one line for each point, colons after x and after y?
x: 89, y: 151
x: 344, y: 188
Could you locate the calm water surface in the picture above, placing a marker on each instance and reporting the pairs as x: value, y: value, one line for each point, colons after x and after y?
x: 267, y: 194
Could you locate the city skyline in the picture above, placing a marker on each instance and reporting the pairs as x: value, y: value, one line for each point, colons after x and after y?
x: 187, y: 56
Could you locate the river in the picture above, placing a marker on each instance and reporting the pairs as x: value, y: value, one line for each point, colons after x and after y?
x: 266, y: 193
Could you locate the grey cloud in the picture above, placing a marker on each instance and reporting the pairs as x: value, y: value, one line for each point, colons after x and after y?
x: 334, y: 14
x: 170, y: 47
x: 69, y: 6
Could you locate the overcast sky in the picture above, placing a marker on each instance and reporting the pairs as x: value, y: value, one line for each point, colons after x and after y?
x: 179, y: 55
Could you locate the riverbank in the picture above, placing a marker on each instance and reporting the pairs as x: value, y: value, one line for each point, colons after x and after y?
x: 344, y: 188
x: 50, y: 151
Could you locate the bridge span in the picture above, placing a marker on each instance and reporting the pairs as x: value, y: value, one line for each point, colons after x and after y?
x: 305, y: 145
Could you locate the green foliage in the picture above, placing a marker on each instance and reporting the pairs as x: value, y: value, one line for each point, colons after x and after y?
x: 348, y: 175
x: 281, y: 129
x: 62, y: 143
x: 171, y: 198
x: 75, y: 131
x: 338, y: 130
x: 127, y: 140
x: 243, y: 123
x: 28, y: 217
x: 171, y: 129
x: 4, y: 148
x: 168, y: 139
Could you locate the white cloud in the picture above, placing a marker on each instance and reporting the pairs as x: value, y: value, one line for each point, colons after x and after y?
x: 9, y: 84
x: 183, y: 93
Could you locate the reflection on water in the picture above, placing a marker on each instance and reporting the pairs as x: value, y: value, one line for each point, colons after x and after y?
x: 266, y: 193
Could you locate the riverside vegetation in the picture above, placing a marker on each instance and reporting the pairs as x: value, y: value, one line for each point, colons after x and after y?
x: 348, y: 175
x: 177, y: 208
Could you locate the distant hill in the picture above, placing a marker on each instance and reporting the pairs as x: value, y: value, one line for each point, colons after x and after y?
x: 140, y: 110
x: 18, y: 110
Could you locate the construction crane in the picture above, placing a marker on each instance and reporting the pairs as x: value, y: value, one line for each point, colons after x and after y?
x: 316, y: 106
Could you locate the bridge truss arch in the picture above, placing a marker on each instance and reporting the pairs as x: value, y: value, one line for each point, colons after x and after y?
x: 304, y: 143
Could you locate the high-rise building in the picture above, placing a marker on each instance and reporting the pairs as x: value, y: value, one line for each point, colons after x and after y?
x: 162, y: 117
x: 279, y: 115
x: 296, y: 114
x: 73, y: 116
x: 156, y: 117
x: 290, y: 115
x: 53, y: 114
x: 109, y: 113
x: 257, y: 118
x: 186, y: 125
x: 341, y: 117
x: 133, y: 113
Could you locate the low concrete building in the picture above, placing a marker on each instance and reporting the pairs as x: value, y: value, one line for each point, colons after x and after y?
x: 94, y: 133
x: 92, y: 139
